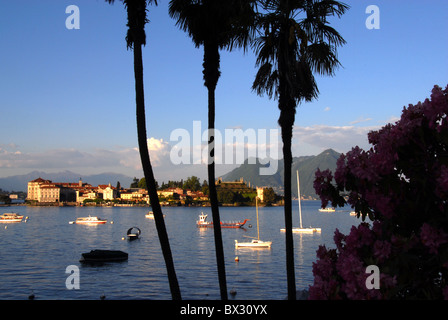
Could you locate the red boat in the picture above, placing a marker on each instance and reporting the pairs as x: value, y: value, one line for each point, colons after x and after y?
x: 203, y: 223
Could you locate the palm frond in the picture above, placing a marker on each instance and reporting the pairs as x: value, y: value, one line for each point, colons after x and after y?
x: 228, y: 23
x: 295, y: 40
x: 137, y: 19
x: 266, y: 81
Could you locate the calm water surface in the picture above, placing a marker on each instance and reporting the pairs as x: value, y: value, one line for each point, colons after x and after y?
x: 34, y: 255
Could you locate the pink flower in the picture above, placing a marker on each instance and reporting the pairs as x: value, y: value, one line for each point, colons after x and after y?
x: 359, y: 236
x: 382, y: 250
x: 432, y: 237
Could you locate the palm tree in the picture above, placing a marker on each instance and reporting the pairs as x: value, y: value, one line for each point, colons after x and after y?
x: 216, y: 25
x: 135, y: 38
x: 295, y: 40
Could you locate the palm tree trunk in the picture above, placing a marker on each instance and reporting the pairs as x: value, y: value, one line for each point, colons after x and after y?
x: 211, y: 76
x: 149, y: 175
x: 287, y: 156
x: 286, y: 122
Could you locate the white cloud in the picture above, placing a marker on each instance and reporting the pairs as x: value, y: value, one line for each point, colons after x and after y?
x: 360, y: 120
x: 321, y: 137
x: 95, y: 160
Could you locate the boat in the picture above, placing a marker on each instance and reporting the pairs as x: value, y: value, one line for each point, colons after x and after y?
x: 203, y: 223
x: 150, y: 215
x: 301, y: 229
x: 327, y: 209
x: 10, y: 218
x: 104, y: 256
x: 255, y: 243
x: 133, y: 233
x: 90, y: 220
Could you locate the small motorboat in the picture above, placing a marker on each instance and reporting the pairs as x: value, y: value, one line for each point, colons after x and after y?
x: 327, y: 210
x: 10, y: 218
x: 90, y: 220
x: 133, y: 233
x: 150, y: 215
x: 203, y: 223
x: 104, y: 256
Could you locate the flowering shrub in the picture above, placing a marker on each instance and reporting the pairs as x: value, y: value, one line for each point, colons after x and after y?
x: 401, y: 184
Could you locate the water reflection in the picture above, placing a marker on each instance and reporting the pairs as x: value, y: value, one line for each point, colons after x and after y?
x: 34, y: 255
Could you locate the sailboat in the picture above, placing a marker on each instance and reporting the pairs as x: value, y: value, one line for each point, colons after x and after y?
x: 301, y: 229
x: 255, y: 243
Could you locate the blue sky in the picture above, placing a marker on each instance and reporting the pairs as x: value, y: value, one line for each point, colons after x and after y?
x: 67, y: 96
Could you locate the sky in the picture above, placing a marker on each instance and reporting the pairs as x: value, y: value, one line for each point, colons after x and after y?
x: 67, y: 99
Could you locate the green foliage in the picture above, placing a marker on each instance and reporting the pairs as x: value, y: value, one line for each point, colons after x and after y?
x: 192, y: 183
x: 269, y: 196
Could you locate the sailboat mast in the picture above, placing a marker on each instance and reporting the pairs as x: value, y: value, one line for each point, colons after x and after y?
x: 300, y: 206
x: 258, y: 226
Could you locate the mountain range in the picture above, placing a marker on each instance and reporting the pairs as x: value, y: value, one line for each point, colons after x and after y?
x: 306, y: 165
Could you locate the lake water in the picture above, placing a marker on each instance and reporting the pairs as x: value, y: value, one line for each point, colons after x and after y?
x: 34, y: 255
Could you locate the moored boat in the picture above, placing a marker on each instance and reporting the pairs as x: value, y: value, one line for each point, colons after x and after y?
x: 90, y: 220
x: 133, y: 233
x: 150, y: 215
x: 301, y: 229
x: 327, y: 210
x: 203, y: 223
x: 255, y: 243
x: 10, y: 218
x: 104, y: 256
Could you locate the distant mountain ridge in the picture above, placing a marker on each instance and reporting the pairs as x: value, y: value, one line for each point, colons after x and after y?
x: 307, y: 166
x: 20, y: 182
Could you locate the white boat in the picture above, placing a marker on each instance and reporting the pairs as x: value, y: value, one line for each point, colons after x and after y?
x: 255, y: 243
x: 301, y: 229
x: 10, y: 218
x: 150, y: 215
x: 90, y: 220
x: 327, y: 210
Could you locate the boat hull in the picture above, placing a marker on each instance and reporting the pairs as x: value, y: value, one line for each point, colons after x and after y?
x: 10, y: 218
x: 327, y: 210
x: 232, y: 225
x: 91, y: 222
x: 104, y: 256
x: 253, y: 244
x: 303, y: 230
